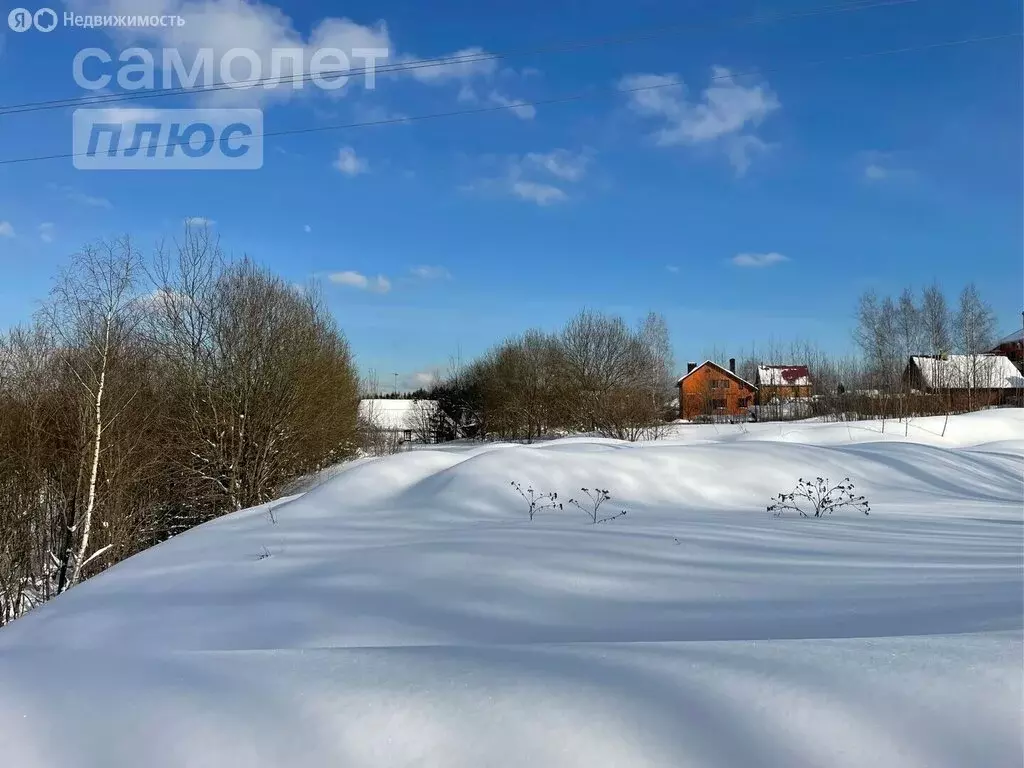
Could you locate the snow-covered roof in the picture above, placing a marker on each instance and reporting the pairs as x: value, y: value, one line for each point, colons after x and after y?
x: 783, y: 376
x: 396, y: 414
x: 969, y: 371
x: 719, y: 367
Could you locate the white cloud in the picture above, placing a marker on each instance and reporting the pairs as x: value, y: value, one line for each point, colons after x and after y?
x: 655, y: 95
x: 425, y: 272
x: 375, y: 113
x: 354, y: 279
x: 883, y: 167
x: 561, y: 163
x: 422, y: 379
x: 740, y: 149
x: 307, y: 229
x: 466, y: 73
x: 221, y: 25
x: 198, y: 221
x: 6, y: 229
x: 758, y: 259
x: 672, y: 268
x: 409, y: 382
x: 349, y: 163
x: 81, y: 198
x: 725, y: 114
x: 535, y: 192
x: 46, y: 231
x: 161, y: 297
x: 378, y: 284
x: 538, y: 177
x: 875, y: 172
x: 517, y: 107
x: 467, y: 64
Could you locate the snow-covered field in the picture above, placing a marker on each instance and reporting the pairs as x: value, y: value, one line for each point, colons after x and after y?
x: 407, y: 613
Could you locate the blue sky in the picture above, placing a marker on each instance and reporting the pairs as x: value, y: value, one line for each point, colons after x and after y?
x: 754, y: 203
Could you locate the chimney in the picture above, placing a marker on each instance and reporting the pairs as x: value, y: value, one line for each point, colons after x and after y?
x: 732, y: 364
x: 690, y: 367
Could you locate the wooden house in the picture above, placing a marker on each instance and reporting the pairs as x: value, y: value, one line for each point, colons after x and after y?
x: 710, y: 391
x: 968, y: 381
x: 1012, y: 346
x: 783, y: 392
x: 783, y: 382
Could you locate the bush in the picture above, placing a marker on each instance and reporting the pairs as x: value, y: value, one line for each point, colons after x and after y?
x: 537, y: 501
x: 817, y: 498
x: 592, y: 508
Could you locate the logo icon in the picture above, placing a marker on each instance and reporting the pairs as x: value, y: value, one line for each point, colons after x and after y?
x: 45, y: 20
x: 20, y: 20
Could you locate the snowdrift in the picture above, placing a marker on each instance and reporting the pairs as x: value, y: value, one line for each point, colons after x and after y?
x: 406, y: 612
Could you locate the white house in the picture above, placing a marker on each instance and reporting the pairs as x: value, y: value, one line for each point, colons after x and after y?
x: 962, y: 372
x: 402, y: 420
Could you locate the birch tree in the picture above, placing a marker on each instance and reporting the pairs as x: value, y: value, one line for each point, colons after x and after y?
x: 975, y: 332
x: 908, y: 322
x: 935, y: 321
x: 876, y: 335
x: 93, y: 313
x: 655, y: 337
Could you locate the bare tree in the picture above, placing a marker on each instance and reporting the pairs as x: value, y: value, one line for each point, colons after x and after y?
x: 94, y: 313
x: 261, y: 380
x: 935, y: 321
x: 33, y: 502
x: 128, y: 415
x: 909, y: 325
x: 609, y: 374
x: 975, y: 332
x: 877, y: 335
x: 654, y: 335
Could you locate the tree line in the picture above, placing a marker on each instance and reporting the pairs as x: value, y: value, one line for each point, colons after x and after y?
x: 151, y: 394
x: 890, y: 330
x: 597, y: 374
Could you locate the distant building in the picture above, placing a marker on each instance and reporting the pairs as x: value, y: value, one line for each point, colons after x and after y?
x: 709, y: 391
x: 968, y: 380
x: 783, y: 392
x: 403, y: 421
x: 783, y: 382
x: 1013, y: 347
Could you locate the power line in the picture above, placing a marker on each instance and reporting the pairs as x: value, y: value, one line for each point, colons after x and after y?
x: 580, y: 96
x: 564, y: 47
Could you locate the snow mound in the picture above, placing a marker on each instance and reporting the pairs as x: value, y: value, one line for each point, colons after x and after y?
x: 407, y: 612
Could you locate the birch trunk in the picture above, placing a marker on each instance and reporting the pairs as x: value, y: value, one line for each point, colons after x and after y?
x: 86, y: 521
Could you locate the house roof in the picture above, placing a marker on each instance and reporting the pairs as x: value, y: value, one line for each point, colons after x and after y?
x: 1016, y: 336
x: 724, y: 370
x: 396, y: 414
x: 783, y: 376
x: 969, y: 371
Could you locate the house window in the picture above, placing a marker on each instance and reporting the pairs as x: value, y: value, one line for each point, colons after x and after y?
x: 718, y: 405
x: 743, y: 402
x: 408, y: 434
x: 720, y: 384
